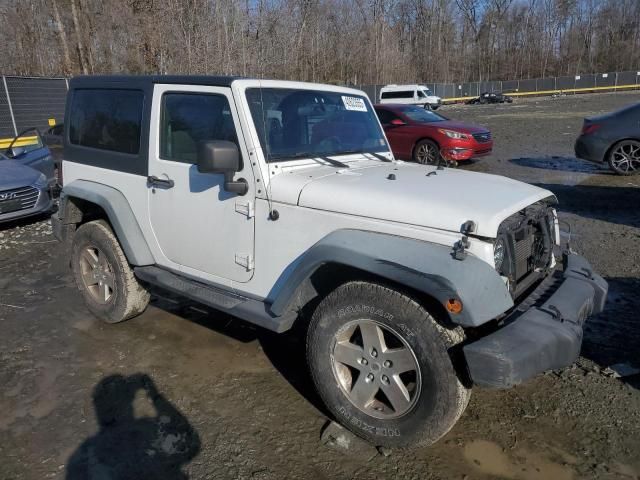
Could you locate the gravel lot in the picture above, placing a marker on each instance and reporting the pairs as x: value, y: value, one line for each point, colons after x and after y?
x: 183, y: 391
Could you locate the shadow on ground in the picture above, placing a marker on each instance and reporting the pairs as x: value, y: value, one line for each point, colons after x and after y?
x: 285, y: 351
x: 613, y: 337
x: 564, y: 164
x: 615, y: 204
x: 129, y: 446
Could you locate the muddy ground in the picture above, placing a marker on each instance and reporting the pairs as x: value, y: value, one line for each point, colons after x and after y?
x: 184, y: 391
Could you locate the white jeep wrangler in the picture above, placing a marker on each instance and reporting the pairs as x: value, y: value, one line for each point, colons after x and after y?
x: 266, y: 199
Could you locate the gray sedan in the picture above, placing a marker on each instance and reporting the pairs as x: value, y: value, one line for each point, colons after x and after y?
x: 613, y: 138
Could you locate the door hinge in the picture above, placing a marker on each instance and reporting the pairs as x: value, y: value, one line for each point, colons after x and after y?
x: 245, y: 208
x: 245, y: 260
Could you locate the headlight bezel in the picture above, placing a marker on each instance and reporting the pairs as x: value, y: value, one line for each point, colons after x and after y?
x: 41, y: 182
x: 499, y: 253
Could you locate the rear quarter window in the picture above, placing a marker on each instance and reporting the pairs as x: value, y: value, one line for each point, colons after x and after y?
x: 107, y: 119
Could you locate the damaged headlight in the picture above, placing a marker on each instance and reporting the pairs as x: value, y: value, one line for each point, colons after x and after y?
x: 498, y: 253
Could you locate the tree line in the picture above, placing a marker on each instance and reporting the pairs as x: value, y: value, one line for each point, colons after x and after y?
x: 336, y: 41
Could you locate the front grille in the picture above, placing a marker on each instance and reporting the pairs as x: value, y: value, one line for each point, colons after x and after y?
x: 18, y: 199
x: 527, y: 237
x: 523, y: 253
x: 483, y: 137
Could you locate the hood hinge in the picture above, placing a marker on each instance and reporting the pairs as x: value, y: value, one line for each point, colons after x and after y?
x: 245, y: 260
x: 245, y: 208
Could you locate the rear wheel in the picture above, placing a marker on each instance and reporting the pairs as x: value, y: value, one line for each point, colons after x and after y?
x: 103, y: 275
x: 624, y: 157
x: 426, y: 152
x: 381, y: 364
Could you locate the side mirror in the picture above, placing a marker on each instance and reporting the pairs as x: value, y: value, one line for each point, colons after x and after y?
x: 397, y: 122
x: 221, y: 156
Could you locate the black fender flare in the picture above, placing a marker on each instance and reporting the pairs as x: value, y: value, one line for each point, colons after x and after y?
x: 118, y: 211
x: 427, y: 267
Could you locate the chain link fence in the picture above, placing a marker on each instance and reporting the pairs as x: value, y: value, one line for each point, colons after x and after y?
x: 27, y: 102
x: 570, y: 84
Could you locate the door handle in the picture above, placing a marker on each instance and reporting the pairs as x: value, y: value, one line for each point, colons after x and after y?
x: 153, y: 181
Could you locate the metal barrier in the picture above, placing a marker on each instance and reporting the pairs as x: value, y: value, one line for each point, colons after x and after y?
x: 27, y: 102
x: 610, y: 81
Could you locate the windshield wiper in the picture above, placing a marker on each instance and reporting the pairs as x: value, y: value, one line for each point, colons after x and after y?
x: 380, y: 157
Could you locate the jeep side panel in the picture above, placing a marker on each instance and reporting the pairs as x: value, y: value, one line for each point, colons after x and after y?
x: 419, y: 265
x: 119, y: 212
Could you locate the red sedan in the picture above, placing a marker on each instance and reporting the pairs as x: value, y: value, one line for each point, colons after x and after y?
x: 422, y: 135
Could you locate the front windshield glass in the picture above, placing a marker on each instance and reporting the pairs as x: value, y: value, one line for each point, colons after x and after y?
x: 418, y: 114
x: 426, y: 92
x: 295, y: 123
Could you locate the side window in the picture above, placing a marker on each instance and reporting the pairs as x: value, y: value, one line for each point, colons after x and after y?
x: 107, y: 119
x: 188, y: 118
x: 385, y: 116
x: 398, y: 94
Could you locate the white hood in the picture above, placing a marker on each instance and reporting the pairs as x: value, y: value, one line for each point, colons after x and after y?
x: 444, y: 200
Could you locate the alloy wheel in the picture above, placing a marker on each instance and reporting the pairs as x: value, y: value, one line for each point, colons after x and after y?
x: 427, y: 154
x: 376, y: 369
x: 625, y: 158
x: 97, y: 274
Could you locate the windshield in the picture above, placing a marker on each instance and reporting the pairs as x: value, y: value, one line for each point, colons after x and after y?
x: 419, y: 114
x: 295, y: 123
x: 424, y: 92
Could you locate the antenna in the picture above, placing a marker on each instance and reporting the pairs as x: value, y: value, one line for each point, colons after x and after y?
x: 273, y: 214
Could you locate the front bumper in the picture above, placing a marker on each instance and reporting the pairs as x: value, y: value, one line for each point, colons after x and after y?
x: 547, y: 335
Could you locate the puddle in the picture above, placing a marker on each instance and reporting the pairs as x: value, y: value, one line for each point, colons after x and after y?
x: 490, y: 459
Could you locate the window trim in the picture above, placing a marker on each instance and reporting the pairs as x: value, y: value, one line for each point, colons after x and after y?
x: 141, y: 124
x: 192, y: 93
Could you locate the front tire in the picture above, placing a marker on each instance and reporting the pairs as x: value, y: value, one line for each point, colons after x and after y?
x: 103, y: 275
x: 426, y: 152
x: 381, y: 364
x: 624, y: 157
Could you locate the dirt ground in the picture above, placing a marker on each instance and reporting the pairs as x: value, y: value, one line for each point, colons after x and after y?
x: 185, y: 392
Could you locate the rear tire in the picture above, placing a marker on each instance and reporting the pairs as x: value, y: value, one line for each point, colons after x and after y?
x: 103, y: 275
x: 624, y: 157
x: 360, y: 387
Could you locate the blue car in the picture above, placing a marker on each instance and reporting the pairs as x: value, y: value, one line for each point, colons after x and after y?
x: 27, y: 177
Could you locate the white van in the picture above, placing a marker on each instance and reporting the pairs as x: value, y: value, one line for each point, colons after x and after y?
x: 410, y: 94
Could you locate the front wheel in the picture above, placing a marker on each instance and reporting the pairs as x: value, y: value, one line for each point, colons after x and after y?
x: 624, y: 157
x: 426, y: 152
x: 381, y: 364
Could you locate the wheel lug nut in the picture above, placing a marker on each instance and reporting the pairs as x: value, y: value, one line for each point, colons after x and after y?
x: 370, y: 377
x: 385, y: 379
x: 387, y: 364
x: 363, y: 361
x: 374, y: 353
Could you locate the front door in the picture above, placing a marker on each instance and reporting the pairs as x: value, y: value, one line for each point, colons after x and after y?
x: 200, y: 228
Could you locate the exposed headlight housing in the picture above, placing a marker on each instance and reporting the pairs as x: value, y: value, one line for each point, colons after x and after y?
x: 498, y: 253
x: 453, y: 134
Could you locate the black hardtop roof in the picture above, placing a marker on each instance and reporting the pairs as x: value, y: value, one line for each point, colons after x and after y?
x: 137, y: 81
